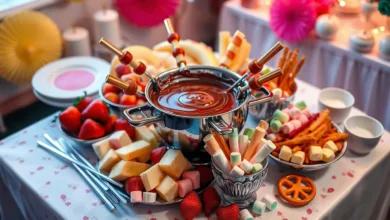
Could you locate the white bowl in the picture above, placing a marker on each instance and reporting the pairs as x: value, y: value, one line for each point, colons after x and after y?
x: 364, y: 133
x: 338, y: 101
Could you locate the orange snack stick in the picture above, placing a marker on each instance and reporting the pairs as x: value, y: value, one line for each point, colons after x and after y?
x: 275, y: 154
x: 297, y: 190
x: 296, y: 149
x: 306, y: 158
x: 335, y: 137
x: 212, y: 144
x: 222, y: 144
x: 339, y: 145
x: 323, y: 116
x: 297, y: 141
x: 252, y: 147
x: 297, y: 69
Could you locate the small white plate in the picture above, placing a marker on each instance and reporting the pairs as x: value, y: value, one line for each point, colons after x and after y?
x: 68, y: 78
x: 47, y: 101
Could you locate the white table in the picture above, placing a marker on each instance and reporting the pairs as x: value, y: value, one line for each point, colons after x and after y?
x: 45, y: 188
x: 328, y: 64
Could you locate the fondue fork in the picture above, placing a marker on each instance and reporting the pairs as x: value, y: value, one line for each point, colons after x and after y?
x: 173, y: 39
x: 257, y: 81
x: 256, y: 66
x: 126, y: 58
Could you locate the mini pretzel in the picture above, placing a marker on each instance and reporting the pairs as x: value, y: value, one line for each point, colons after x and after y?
x: 291, y: 189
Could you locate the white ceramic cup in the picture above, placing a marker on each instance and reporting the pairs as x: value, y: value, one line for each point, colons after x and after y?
x: 364, y: 133
x: 338, y: 101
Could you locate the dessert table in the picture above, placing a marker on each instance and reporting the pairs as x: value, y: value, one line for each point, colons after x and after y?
x: 44, y: 187
x: 329, y: 63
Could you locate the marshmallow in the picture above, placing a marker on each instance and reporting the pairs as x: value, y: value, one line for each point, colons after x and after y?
x: 295, y: 113
x: 119, y: 139
x: 245, y: 215
x: 270, y: 202
x: 301, y: 105
x: 136, y: 196
x: 185, y: 187
x: 236, y: 171
x: 149, y: 197
x: 287, y: 111
x: 272, y: 136
x: 297, y: 124
x: 263, y: 124
x: 194, y: 176
x: 281, y: 116
x: 235, y: 158
x: 291, y: 105
x: 331, y: 145
x: 263, y: 142
x: 315, y: 153
x: 306, y: 112
x: 277, y: 93
x: 212, y: 143
x: 263, y: 152
x: 246, y: 166
x: 327, y: 155
x: 258, y: 207
x: 303, y: 119
x: 233, y: 141
x: 287, y: 127
x: 221, y: 161
x: 257, y: 167
x: 285, y: 153
x: 298, y: 157
x: 275, y: 125
x: 242, y: 143
x: 248, y: 132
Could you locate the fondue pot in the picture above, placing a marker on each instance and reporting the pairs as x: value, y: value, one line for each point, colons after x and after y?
x: 184, y: 131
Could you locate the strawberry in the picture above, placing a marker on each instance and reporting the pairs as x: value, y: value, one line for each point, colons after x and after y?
x: 122, y: 69
x: 109, y: 88
x: 191, y: 206
x: 211, y: 200
x: 70, y: 119
x: 157, y: 154
x: 113, y: 97
x: 206, y: 176
x: 134, y: 184
x: 143, y: 86
x: 109, y: 125
x: 82, y: 102
x: 90, y: 129
x: 121, y: 124
x: 128, y: 100
x: 131, y: 77
x: 97, y: 110
x: 230, y: 212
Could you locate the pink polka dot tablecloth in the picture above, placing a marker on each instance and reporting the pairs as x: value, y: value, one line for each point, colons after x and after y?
x: 44, y: 187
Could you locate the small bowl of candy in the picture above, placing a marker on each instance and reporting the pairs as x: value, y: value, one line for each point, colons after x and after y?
x: 306, y: 141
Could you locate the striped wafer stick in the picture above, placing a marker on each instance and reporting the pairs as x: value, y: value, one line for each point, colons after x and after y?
x: 232, y: 49
x: 173, y: 39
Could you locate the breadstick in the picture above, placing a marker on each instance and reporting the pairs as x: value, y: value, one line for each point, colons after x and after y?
x: 297, y: 141
x: 276, y: 154
x: 282, y: 58
x: 320, y: 131
x: 222, y: 144
x: 334, y: 137
x: 298, y: 67
x: 339, y: 145
x: 296, y: 149
x: 323, y: 115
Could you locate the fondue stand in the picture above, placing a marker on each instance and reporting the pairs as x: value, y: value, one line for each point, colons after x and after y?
x: 187, y: 102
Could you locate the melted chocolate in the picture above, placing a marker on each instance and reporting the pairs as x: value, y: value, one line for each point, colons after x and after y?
x: 197, y: 96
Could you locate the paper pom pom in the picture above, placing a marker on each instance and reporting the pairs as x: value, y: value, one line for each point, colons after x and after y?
x: 147, y: 13
x: 322, y: 6
x: 292, y: 20
x: 384, y: 7
x: 28, y: 41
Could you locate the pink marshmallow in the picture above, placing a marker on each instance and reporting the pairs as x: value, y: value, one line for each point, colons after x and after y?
x: 287, y: 128
x: 286, y: 110
x: 297, y: 124
x: 136, y: 196
x: 294, y: 113
x: 272, y: 136
x: 306, y: 112
x: 303, y: 119
x: 194, y: 176
x: 185, y: 187
x: 291, y: 105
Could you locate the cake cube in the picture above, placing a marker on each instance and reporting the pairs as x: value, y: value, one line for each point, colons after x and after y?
x: 155, y: 133
x: 126, y: 169
x: 173, y: 163
x: 185, y: 187
x: 315, y: 153
x: 144, y: 158
x: 194, y: 176
x: 168, y: 189
x: 119, y: 139
x: 331, y: 145
x: 109, y: 160
x: 136, y: 196
x: 285, y: 153
x: 327, y: 155
x: 298, y: 157
x: 152, y: 177
x: 134, y: 150
x: 101, y: 148
x: 143, y: 133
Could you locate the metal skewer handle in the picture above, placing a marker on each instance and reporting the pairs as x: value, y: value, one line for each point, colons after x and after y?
x: 257, y: 81
x: 173, y: 39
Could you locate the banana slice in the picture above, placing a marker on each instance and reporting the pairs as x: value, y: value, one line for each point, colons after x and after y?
x: 241, y: 56
x: 199, y: 52
x: 224, y: 39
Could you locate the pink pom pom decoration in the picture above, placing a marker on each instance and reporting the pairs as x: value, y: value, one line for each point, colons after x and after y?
x: 292, y: 20
x: 146, y: 13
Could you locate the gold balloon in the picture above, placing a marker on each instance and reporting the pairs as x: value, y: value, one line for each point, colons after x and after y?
x: 28, y: 41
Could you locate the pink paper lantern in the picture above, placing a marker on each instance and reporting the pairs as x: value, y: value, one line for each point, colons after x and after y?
x: 292, y: 20
x: 146, y: 13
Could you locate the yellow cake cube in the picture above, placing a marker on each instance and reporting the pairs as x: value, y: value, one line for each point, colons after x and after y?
x: 152, y: 177
x: 143, y: 133
x: 126, y: 169
x: 327, y: 155
x: 134, y: 150
x: 168, y: 189
x: 298, y: 157
x: 109, y: 160
x: 101, y: 148
x: 285, y: 153
x: 332, y: 146
x: 173, y: 163
x: 315, y: 153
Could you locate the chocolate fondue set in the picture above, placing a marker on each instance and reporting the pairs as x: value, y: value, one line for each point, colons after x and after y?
x: 187, y: 102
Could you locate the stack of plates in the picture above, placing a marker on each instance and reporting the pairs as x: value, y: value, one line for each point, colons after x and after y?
x: 60, y: 82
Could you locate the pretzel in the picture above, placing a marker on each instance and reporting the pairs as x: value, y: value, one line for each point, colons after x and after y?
x: 291, y: 189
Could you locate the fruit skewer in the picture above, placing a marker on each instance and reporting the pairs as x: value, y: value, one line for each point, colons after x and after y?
x: 173, y: 39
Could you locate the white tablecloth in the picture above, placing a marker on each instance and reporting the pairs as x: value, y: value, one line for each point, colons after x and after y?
x: 328, y: 64
x: 44, y: 187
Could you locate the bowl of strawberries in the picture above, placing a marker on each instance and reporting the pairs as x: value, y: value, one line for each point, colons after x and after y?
x: 115, y: 98
x: 90, y: 121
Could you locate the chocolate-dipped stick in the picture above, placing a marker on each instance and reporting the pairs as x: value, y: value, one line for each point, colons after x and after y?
x: 257, y: 81
x: 173, y: 39
x: 126, y: 58
x: 257, y: 65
